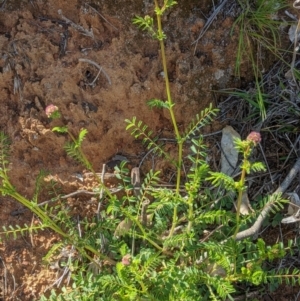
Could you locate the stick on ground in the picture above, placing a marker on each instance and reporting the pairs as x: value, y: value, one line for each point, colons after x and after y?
x: 97, y: 66
x: 281, y: 189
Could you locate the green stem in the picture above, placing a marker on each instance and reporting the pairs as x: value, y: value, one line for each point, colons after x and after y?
x: 8, y: 188
x: 141, y: 283
x: 240, y: 190
x: 175, y: 217
x: 145, y: 235
x: 170, y: 102
x: 97, y: 253
x: 190, y: 217
x: 87, y: 164
x: 166, y: 76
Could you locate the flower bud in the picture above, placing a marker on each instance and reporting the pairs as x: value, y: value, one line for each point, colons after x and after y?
x: 254, y: 137
x: 126, y: 259
x: 52, y: 111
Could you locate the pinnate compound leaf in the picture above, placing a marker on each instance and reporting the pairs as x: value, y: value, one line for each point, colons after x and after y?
x: 221, y: 179
x: 157, y: 103
x: 139, y: 130
x: 81, y: 136
x: 60, y: 129
x: 257, y: 166
x: 205, y: 117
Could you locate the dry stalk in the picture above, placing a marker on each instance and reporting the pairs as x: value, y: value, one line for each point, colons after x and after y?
x: 3, y: 279
x: 84, y: 31
x: 296, y: 47
x: 208, y: 23
x: 94, y: 10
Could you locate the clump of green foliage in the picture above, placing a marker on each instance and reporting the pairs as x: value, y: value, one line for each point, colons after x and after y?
x: 259, y: 33
x: 178, y: 244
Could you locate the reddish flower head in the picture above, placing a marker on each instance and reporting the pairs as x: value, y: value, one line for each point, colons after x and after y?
x: 254, y: 137
x: 126, y: 259
x: 52, y: 111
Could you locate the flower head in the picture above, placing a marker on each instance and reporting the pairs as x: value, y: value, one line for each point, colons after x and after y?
x: 254, y: 137
x: 126, y: 259
x: 52, y: 111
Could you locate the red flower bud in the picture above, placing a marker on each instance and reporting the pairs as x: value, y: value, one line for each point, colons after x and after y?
x: 254, y: 137
x: 126, y: 259
x: 50, y: 110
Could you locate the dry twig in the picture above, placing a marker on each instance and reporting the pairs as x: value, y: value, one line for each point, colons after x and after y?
x: 208, y: 23
x: 84, y: 31
x: 281, y: 189
x: 97, y: 66
x: 93, y: 9
x: 297, y: 6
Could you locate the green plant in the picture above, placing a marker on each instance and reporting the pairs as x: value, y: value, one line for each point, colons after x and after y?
x: 257, y: 100
x: 259, y: 32
x: 258, y: 27
x: 219, y: 179
x: 140, y: 130
x: 54, y: 221
x: 171, y: 244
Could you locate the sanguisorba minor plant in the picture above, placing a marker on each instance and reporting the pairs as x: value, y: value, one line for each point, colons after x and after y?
x: 153, y: 242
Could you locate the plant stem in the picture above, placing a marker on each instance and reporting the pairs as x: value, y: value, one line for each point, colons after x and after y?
x: 166, y: 76
x: 239, y: 202
x: 7, y: 188
x: 190, y: 216
x: 240, y: 189
x: 145, y: 234
x: 170, y: 102
x: 175, y: 217
x: 89, y: 166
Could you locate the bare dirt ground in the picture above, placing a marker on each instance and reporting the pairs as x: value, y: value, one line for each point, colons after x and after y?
x: 44, y: 60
